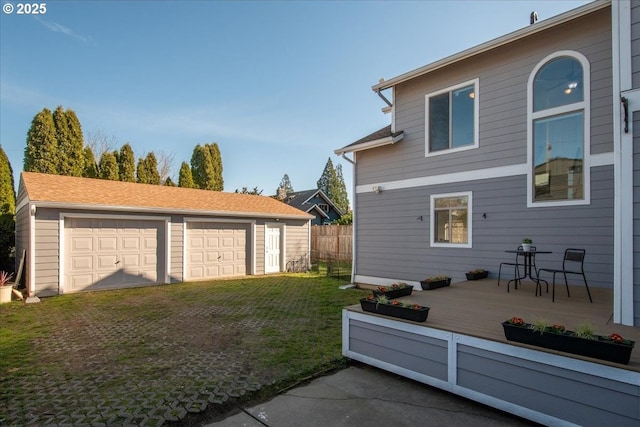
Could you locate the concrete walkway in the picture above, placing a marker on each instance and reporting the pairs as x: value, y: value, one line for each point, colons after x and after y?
x: 365, y: 396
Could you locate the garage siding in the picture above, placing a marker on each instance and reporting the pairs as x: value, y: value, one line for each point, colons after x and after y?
x: 47, y: 251
x: 297, y: 245
x: 176, y: 272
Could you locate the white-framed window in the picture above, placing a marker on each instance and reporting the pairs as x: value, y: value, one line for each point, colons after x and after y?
x: 451, y: 220
x: 558, y: 98
x: 324, y: 207
x: 451, y: 119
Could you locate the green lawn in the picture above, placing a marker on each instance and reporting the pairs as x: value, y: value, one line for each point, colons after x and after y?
x: 157, y: 354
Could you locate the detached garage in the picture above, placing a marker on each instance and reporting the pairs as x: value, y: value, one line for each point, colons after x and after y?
x: 78, y: 234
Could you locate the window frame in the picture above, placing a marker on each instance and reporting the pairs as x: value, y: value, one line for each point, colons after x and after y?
x: 432, y: 216
x: 583, y: 106
x: 476, y: 102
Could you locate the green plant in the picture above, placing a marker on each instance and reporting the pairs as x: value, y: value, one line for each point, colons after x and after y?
x: 476, y: 271
x: 540, y: 325
x: 5, y: 277
x: 585, y: 330
x: 382, y: 299
x: 436, y: 278
x: 527, y: 240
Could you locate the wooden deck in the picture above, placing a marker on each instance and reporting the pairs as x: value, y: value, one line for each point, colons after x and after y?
x: 477, y: 308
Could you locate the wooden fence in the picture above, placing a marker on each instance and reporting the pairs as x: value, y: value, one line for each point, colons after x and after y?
x: 332, y: 242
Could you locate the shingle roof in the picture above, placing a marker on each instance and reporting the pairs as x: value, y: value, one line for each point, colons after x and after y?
x: 85, y: 192
x: 383, y: 136
x: 297, y: 199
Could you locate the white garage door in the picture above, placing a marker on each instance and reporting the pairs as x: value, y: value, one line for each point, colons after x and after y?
x: 216, y: 250
x: 110, y: 253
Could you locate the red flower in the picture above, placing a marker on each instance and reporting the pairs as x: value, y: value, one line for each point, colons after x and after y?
x: 370, y: 298
x: 558, y: 328
x: 382, y: 289
x: 416, y: 306
x: 516, y: 321
x: 395, y: 285
x: 395, y: 302
x: 616, y: 338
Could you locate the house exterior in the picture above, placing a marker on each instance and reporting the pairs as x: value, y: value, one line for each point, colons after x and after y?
x: 86, y: 234
x: 521, y: 136
x: 315, y: 203
x: 534, y: 134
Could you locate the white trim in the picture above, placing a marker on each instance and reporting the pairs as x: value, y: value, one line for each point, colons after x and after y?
x: 283, y: 244
x: 432, y: 198
x: 584, y: 106
x: 602, y: 159
x: 476, y: 115
x: 163, y: 276
x: 527, y: 31
x: 623, y: 256
x: 254, y: 251
x: 388, y: 140
x: 31, y: 253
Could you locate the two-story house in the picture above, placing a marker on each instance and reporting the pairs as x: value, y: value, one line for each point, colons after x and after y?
x: 532, y: 134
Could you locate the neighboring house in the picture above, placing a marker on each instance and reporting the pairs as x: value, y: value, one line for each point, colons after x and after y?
x: 316, y: 203
x: 533, y: 134
x: 85, y: 234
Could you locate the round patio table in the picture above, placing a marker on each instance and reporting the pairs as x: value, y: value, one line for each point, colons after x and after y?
x: 528, y: 262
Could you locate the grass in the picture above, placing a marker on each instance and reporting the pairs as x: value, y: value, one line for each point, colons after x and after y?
x: 149, y: 347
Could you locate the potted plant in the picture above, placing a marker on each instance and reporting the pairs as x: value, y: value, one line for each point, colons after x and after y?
x: 435, y: 282
x: 396, y: 290
x: 394, y: 308
x: 582, y: 341
x: 5, y: 288
x: 526, y: 244
x: 478, y: 273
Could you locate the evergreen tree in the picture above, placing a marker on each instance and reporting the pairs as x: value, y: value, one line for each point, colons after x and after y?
x: 126, y: 164
x: 285, y: 186
x: 185, y: 178
x: 331, y: 182
x: 256, y: 191
x: 90, y: 166
x: 7, y: 214
x: 108, y: 168
x: 70, y: 142
x: 147, y: 170
x: 340, y: 197
x: 169, y: 182
x: 216, y: 162
x: 41, y: 152
x: 202, y: 168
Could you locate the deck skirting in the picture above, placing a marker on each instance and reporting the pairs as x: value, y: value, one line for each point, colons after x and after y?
x: 546, y: 388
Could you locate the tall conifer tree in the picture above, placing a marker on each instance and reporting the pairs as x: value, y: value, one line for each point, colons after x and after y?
x: 90, y: 165
x: 185, y: 178
x: 202, y: 168
x: 108, y: 168
x: 7, y: 214
x: 127, y: 164
x: 216, y: 162
x: 41, y: 152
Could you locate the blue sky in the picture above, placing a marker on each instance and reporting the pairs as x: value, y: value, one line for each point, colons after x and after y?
x: 278, y: 85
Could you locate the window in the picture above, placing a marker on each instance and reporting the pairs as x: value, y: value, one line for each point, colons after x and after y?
x: 559, y: 131
x: 324, y: 207
x: 451, y: 220
x: 452, y: 119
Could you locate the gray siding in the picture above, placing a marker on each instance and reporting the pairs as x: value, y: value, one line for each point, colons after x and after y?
x: 562, y: 393
x: 259, y: 239
x: 47, y: 251
x: 635, y: 43
x: 297, y: 241
x: 503, y: 74
x: 400, y: 250
x: 176, y: 257
x: 394, y: 243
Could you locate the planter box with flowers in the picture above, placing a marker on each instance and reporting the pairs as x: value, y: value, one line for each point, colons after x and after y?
x: 394, y: 308
x: 583, y: 341
x: 435, y: 282
x: 477, y: 274
x: 396, y: 290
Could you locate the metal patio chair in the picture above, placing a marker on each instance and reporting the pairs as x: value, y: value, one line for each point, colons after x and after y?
x: 572, y: 263
x: 516, y: 267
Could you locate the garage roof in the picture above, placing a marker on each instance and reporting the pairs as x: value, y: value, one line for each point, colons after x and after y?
x: 85, y: 193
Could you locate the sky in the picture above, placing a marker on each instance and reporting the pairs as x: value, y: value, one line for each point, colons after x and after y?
x: 278, y: 85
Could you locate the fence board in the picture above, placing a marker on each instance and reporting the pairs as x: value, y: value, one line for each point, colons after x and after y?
x: 332, y: 242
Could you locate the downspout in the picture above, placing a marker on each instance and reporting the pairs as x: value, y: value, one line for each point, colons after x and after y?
x: 384, y: 98
x: 353, y: 224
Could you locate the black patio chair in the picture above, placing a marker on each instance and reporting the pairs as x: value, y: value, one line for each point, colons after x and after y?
x: 572, y: 263
x: 516, y: 270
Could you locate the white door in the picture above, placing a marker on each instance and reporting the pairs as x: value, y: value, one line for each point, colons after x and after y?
x: 110, y: 253
x: 216, y: 250
x: 272, y: 249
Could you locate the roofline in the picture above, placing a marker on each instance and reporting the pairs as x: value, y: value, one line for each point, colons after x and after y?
x: 492, y: 44
x: 389, y: 140
x: 317, y: 208
x: 234, y: 214
x: 327, y: 199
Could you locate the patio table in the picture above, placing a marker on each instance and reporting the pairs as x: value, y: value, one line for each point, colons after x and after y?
x: 528, y: 262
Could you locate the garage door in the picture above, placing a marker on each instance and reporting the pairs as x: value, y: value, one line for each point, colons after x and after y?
x: 216, y: 250
x: 110, y: 253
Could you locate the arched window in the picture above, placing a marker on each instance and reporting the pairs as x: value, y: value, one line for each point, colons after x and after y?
x: 558, y: 138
